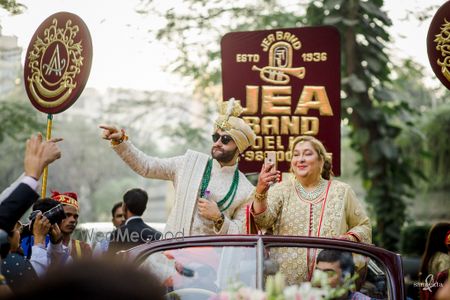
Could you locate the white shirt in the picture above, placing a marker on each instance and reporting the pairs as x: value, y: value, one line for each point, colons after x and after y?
x: 42, y: 257
x: 132, y: 218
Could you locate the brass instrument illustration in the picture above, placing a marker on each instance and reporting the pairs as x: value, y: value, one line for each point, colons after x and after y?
x: 279, y: 75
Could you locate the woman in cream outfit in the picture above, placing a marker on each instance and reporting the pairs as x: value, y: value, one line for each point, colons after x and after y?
x: 308, y: 203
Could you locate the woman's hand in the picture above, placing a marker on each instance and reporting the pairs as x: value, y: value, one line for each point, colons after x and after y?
x: 347, y: 237
x: 267, y: 177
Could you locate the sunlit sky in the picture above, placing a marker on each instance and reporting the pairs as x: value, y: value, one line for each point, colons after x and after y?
x: 125, y: 57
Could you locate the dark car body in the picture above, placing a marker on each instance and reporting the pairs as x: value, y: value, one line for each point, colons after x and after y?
x: 387, y: 265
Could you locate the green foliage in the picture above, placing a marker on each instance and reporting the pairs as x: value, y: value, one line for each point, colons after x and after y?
x: 12, y: 6
x: 18, y: 121
x: 187, y: 137
x: 109, y: 193
x: 407, y: 85
x: 171, y: 120
x: 427, y: 135
x: 437, y: 129
x: 87, y: 164
x: 431, y: 136
x: 18, y: 117
x: 196, y: 27
x: 413, y: 240
x: 11, y: 162
x: 377, y: 112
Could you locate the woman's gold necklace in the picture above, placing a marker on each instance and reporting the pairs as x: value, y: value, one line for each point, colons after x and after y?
x: 311, y: 195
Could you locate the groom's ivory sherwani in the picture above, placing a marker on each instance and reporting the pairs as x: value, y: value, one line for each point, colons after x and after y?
x: 186, y: 173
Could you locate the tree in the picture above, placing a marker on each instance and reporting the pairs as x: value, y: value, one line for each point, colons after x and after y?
x: 429, y: 127
x: 17, y: 115
x: 12, y: 6
x: 436, y: 146
x: 19, y: 120
x: 87, y: 165
x: 408, y: 84
x: 175, y: 120
x: 374, y: 112
x: 375, y: 115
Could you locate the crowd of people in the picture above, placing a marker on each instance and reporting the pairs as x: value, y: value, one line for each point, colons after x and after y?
x: 212, y: 198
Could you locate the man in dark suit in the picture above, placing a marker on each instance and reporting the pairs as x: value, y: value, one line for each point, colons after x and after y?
x: 134, y: 232
x: 15, y: 200
x: 22, y: 194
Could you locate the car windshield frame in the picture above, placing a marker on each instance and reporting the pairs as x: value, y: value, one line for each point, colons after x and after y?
x: 391, y: 261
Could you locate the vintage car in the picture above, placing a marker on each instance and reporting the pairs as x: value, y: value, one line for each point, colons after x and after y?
x: 200, y: 267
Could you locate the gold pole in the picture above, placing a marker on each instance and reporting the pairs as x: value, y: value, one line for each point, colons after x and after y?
x: 48, y: 136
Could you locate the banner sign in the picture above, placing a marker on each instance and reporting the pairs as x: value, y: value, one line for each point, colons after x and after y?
x: 58, y: 62
x: 288, y: 81
x: 438, y: 44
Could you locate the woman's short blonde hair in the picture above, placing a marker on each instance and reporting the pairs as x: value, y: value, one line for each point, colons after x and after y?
x: 321, y: 151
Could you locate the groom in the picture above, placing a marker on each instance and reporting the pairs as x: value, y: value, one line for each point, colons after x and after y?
x: 211, y: 192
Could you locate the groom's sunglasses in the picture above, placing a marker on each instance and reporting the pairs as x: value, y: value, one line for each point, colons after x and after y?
x: 225, y: 139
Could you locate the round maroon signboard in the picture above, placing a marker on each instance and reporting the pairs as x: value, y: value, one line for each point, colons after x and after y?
x: 58, y: 62
x: 438, y: 44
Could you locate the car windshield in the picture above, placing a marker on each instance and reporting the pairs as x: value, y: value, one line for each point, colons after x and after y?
x: 207, y: 272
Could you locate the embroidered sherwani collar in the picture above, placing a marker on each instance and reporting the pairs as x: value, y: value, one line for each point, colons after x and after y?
x: 225, y: 169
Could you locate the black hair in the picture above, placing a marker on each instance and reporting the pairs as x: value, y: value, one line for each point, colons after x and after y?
x: 115, y: 207
x: 136, y: 201
x: 45, y: 204
x: 344, y: 258
x: 435, y: 243
x: 96, y: 280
